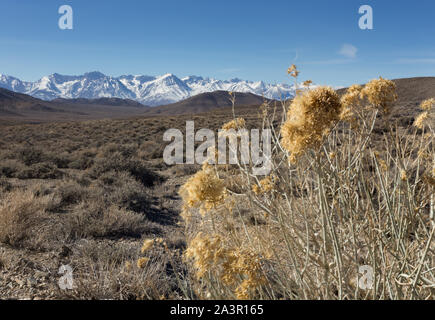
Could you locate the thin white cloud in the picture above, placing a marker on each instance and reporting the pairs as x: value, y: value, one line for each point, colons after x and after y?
x: 348, y: 51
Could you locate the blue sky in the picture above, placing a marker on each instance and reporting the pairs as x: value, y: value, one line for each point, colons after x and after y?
x: 254, y: 40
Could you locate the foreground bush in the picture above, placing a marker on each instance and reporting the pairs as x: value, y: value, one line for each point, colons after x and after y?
x: 338, y: 203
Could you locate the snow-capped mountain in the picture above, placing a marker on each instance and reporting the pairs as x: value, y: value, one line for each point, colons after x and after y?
x: 148, y: 90
x: 159, y: 90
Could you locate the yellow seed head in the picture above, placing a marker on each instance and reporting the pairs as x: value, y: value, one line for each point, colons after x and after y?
x: 265, y: 185
x: 380, y: 93
x: 428, y: 104
x: 128, y: 266
x: 142, y: 262
x: 230, y: 264
x: 147, y: 245
x: 205, y: 190
x: 422, y: 120
x: 293, y: 71
x: 307, y: 83
x: 352, y: 96
x: 403, y: 175
x: 309, y: 119
x: 383, y: 165
x: 235, y: 124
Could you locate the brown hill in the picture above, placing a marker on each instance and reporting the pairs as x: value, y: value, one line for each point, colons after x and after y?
x: 15, y: 103
x: 205, y: 102
x: 411, y: 92
x: 412, y: 89
x: 21, y: 107
x: 115, y: 102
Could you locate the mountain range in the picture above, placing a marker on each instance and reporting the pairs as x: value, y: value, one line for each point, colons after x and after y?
x: 147, y: 90
x: 24, y: 108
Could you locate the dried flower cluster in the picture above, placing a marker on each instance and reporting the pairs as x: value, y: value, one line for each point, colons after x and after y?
x: 246, y: 265
x: 382, y: 164
x: 293, y: 71
x: 428, y: 104
x: 148, y: 244
x: 265, y: 185
x: 425, y: 118
x: 142, y: 262
x: 380, y: 93
x: 309, y: 119
x: 351, y: 102
x: 205, y: 190
x: 238, y: 268
x: 403, y: 175
x: 307, y: 83
x: 235, y: 124
x: 422, y: 120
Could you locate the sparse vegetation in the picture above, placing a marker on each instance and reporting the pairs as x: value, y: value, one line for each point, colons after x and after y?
x: 351, y: 185
x: 85, y: 192
x: 22, y: 217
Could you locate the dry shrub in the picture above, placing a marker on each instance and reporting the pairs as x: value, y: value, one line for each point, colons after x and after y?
x: 44, y: 170
x: 151, y: 150
x: 126, y: 150
x: 117, y: 162
x: 70, y: 193
x: 122, y: 189
x: 30, y: 155
x: 109, y: 271
x: 5, y: 260
x: 65, y: 194
x: 95, y: 219
x: 9, y: 168
x: 82, y: 160
x: 338, y: 198
x: 22, y: 218
x: 5, y: 185
x: 186, y: 170
x: 236, y: 267
x: 60, y: 160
